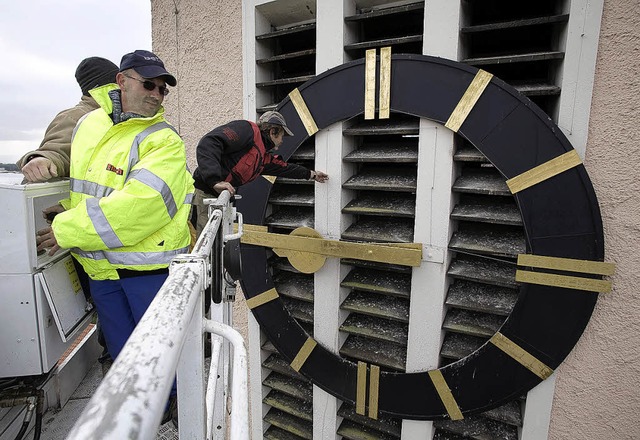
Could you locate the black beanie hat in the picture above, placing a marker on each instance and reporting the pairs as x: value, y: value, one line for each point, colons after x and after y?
x: 94, y: 72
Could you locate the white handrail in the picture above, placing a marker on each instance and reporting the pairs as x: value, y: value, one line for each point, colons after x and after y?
x: 240, y: 410
x: 130, y: 401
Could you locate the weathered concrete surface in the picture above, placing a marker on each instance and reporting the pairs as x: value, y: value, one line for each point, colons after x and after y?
x: 200, y: 43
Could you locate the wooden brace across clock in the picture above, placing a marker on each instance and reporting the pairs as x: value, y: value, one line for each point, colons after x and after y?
x: 560, y: 275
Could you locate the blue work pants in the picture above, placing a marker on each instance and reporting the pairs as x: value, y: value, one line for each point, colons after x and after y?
x: 121, y: 304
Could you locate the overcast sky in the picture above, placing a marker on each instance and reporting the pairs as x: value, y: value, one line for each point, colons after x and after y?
x: 41, y: 44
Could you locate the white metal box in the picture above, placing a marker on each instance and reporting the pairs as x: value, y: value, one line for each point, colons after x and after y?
x: 43, y: 305
x: 22, y: 216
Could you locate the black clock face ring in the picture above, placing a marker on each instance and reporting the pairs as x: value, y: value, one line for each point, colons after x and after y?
x: 560, y: 215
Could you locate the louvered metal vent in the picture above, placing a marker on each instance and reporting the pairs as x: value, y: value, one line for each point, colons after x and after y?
x: 400, y: 27
x: 382, y: 209
x: 289, y: 61
x: 519, y: 43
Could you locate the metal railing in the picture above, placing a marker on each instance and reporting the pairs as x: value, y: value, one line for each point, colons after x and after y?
x: 131, y: 400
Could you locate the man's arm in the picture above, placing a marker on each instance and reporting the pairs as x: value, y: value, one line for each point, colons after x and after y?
x: 51, y: 159
x: 275, y: 166
x: 209, y: 157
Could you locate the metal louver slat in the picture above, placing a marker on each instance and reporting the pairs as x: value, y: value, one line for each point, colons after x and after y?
x: 487, y: 210
x: 288, y: 31
x: 488, y: 239
x: 383, y: 152
x: 479, y: 428
x: 509, y: 413
x: 305, y: 152
x: 290, y: 386
x: 279, y: 365
x: 375, y: 328
x: 294, y: 285
x: 289, y: 423
x: 384, y: 424
x: 472, y: 323
x: 375, y: 305
x: 386, y: 12
x: 384, y: 42
x: 287, y: 80
x: 287, y: 56
x: 398, y: 26
x: 384, y: 179
x: 291, y: 218
x: 376, y: 281
x: 290, y: 405
x: 481, y: 297
x: 275, y: 433
x: 468, y: 153
x: 292, y: 195
x: 457, y: 345
x: 356, y: 431
x: 385, y: 354
x: 482, y: 181
x: 516, y: 58
x: 516, y: 23
x: 377, y: 230
x: 302, y: 311
x: 380, y: 204
x: 484, y: 271
x: 381, y: 127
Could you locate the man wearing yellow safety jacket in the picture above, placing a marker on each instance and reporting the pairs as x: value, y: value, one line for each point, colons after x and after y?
x: 130, y: 198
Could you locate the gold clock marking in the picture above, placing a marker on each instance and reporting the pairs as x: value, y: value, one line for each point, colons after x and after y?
x: 544, y: 171
x: 307, y: 250
x: 262, y: 298
x: 564, y: 281
x: 567, y: 264
x: 468, y: 100
x: 522, y: 356
x: 370, y: 84
x: 303, y: 354
x: 361, y: 387
x: 374, y: 386
x: 303, y: 112
x: 445, y: 394
x: 384, y: 99
x: 384, y: 94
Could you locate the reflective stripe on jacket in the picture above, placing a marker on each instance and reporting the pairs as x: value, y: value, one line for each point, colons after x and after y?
x: 130, y: 193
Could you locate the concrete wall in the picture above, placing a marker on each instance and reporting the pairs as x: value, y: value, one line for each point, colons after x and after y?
x: 200, y: 43
x: 597, y: 395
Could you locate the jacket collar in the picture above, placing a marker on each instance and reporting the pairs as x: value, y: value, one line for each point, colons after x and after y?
x: 101, y: 95
x: 266, y: 140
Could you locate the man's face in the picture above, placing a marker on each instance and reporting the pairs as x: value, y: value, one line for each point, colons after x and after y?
x: 277, y: 136
x: 135, y: 97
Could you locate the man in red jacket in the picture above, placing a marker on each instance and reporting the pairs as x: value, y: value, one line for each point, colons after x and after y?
x: 237, y: 153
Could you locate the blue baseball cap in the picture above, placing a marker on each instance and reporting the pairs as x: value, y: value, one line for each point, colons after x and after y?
x: 148, y: 65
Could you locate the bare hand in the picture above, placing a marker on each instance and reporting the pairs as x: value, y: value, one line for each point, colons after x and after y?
x: 39, y: 169
x: 221, y: 186
x: 321, y: 177
x: 50, y: 212
x: 45, y: 239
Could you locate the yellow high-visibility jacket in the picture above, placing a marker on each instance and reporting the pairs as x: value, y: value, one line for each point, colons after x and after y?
x: 130, y: 193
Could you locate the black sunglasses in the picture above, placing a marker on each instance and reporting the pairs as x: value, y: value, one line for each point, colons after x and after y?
x: 150, y: 85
